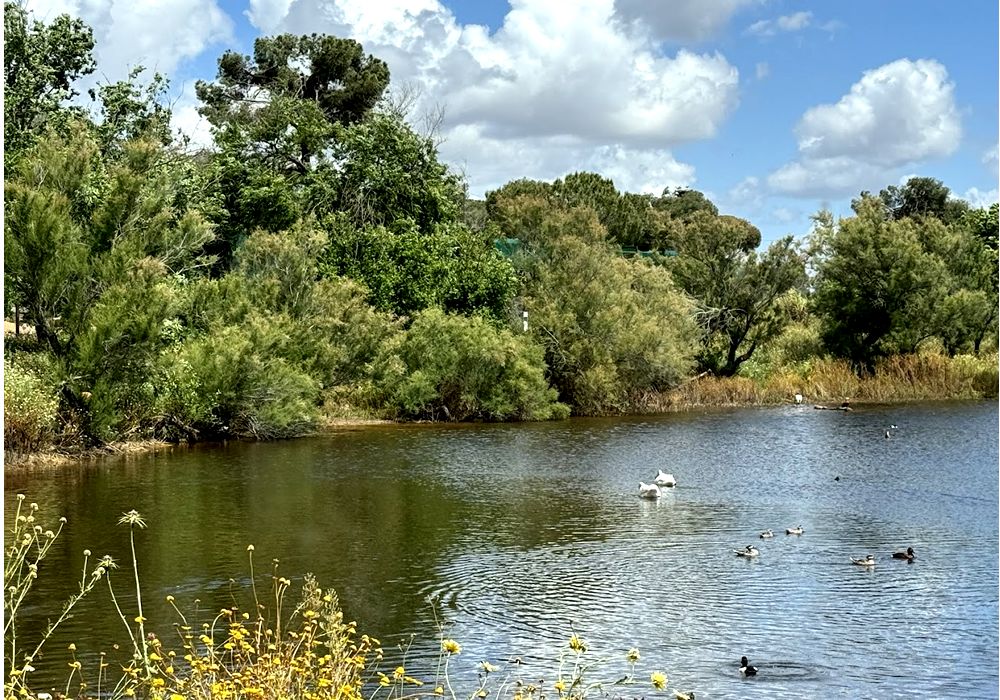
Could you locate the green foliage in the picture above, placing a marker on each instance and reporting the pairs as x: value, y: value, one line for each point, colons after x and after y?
x: 919, y: 197
x: 611, y: 327
x: 631, y: 220
x: 463, y: 368
x: 40, y: 64
x: 877, y: 288
x: 283, y: 111
x: 888, y: 282
x: 406, y: 270
x: 94, y: 250
x: 382, y: 172
x: 130, y: 111
x: 983, y: 223
x: 30, y: 406
x: 737, y: 290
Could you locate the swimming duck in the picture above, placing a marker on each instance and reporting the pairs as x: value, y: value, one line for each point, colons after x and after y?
x: 648, y: 490
x: 908, y: 554
x: 664, y: 479
x: 794, y: 530
x: 745, y: 668
x: 887, y: 435
x: 867, y: 561
x: 750, y: 551
x: 767, y: 533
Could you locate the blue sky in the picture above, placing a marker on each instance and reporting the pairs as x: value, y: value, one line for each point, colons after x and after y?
x: 773, y: 108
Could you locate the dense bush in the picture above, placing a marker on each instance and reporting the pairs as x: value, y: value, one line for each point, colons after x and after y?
x: 30, y: 407
x: 448, y: 366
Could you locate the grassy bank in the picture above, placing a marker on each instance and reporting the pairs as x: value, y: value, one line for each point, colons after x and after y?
x: 898, y: 379
x: 925, y: 377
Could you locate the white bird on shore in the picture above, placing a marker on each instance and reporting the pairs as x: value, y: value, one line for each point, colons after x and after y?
x: 664, y: 479
x: 798, y: 398
x: 648, y: 490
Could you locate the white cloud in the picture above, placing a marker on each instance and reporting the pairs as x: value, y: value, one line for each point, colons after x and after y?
x: 680, y: 19
x: 185, y: 119
x: 762, y: 70
x: 990, y: 160
x: 489, y: 162
x: 547, y: 92
x: 980, y: 199
x: 898, y: 114
x: 786, y: 23
x: 158, y: 35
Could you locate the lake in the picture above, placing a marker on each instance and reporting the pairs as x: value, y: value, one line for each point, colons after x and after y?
x: 515, y: 536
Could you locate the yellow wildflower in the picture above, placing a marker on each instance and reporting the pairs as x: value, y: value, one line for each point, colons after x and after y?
x: 559, y: 685
x: 451, y: 646
x: 439, y: 691
x: 399, y: 672
x: 577, y: 645
x: 659, y: 680
x: 633, y: 655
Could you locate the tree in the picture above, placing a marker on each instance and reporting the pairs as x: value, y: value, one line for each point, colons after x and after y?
x: 735, y: 289
x: 877, y: 288
x: 282, y: 102
x: 40, y: 64
x: 919, y: 197
x: 612, y: 327
x: 131, y: 111
x: 92, y: 251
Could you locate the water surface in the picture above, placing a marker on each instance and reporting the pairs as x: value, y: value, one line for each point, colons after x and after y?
x: 521, y: 534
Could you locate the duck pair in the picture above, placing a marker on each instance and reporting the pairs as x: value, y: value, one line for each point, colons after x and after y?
x: 768, y: 533
x: 908, y: 555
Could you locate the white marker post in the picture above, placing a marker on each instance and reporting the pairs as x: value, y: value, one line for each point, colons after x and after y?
x: 524, y: 315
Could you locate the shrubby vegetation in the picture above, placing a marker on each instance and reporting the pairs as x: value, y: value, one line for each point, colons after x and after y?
x: 320, y: 260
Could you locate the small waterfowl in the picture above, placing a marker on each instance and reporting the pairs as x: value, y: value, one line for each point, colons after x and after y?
x: 867, y: 561
x: 750, y: 551
x: 745, y: 668
x: 798, y: 398
x: 664, y: 479
x: 648, y: 490
x: 887, y: 435
x: 908, y: 555
x: 767, y: 533
x: 794, y: 530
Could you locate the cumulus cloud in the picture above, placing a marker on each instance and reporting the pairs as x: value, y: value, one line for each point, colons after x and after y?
x: 691, y: 20
x: 158, y: 35
x: 980, y: 199
x: 547, y: 87
x: 488, y: 162
x: 898, y: 114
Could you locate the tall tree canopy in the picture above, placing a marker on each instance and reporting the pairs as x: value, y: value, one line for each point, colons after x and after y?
x: 284, y: 100
x: 40, y: 64
x: 735, y: 288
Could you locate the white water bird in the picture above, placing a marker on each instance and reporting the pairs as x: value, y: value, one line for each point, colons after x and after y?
x: 648, y: 490
x: 750, y: 551
x: 867, y: 561
x: 794, y: 530
x: 798, y: 398
x: 664, y: 479
x: 767, y: 533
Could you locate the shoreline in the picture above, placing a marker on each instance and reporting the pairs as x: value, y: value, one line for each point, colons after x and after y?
x: 17, y: 461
